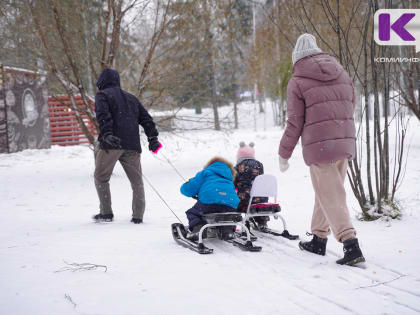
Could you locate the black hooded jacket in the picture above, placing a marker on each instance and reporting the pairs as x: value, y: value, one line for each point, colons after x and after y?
x: 119, y: 113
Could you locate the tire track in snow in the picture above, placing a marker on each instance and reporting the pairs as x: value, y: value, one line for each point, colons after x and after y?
x: 403, y: 290
x: 407, y: 306
x: 375, y: 279
x: 372, y: 264
x: 389, y: 269
x: 303, y: 307
x: 361, y: 273
x: 262, y: 265
x: 268, y: 242
x: 276, y: 253
x: 339, y: 305
x: 281, y: 249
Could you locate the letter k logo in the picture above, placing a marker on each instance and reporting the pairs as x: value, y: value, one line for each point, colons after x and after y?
x: 398, y: 27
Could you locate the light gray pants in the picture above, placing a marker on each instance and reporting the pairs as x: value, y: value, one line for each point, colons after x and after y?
x: 130, y: 161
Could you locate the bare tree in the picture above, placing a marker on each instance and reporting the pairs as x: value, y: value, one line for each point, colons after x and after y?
x: 75, y: 53
x: 345, y: 29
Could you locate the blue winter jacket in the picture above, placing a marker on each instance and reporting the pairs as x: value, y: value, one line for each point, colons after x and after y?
x: 213, y: 185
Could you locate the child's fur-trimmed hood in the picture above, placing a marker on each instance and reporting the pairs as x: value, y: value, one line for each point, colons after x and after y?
x: 223, y: 160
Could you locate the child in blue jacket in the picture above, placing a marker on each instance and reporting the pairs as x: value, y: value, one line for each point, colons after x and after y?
x: 213, y: 187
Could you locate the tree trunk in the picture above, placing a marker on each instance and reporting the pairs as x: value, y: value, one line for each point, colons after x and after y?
x: 233, y: 76
x: 386, y: 133
x: 235, y: 113
x: 260, y: 102
x: 376, y: 121
x: 87, y: 52
x: 210, y: 64
x: 367, y: 112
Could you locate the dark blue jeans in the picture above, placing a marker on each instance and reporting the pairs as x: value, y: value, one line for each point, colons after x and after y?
x: 195, y: 214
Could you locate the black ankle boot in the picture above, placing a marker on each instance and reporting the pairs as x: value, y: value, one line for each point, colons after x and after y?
x: 352, y: 253
x: 103, y: 217
x: 226, y: 233
x: 136, y: 221
x: 317, y: 245
x: 193, y: 234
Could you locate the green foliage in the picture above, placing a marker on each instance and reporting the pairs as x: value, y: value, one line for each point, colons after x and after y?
x: 206, y: 43
x: 187, y: 76
x: 286, y: 72
x: 277, y: 80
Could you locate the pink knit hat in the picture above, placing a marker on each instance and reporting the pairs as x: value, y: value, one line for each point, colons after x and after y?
x: 245, y: 151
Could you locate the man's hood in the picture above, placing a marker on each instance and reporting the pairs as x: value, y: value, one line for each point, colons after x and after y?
x: 108, y: 78
x: 321, y: 67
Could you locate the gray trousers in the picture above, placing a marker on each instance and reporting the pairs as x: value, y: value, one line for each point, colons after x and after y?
x: 104, y: 165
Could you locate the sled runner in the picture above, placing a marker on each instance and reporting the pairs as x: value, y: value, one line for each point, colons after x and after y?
x: 179, y: 234
x: 265, y: 186
x: 215, y: 223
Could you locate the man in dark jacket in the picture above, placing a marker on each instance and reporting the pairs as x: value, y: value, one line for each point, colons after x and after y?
x: 119, y: 114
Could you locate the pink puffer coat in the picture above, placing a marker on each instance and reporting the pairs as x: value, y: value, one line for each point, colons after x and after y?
x: 320, y: 107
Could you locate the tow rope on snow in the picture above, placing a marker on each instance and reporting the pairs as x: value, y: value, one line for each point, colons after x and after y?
x: 161, y: 198
x: 173, y: 166
x: 179, y: 174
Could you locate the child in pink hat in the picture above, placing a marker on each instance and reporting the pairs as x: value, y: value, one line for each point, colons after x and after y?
x: 245, y: 152
x: 247, y: 168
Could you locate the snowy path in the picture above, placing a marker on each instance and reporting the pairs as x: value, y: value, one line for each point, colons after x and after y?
x: 47, y: 198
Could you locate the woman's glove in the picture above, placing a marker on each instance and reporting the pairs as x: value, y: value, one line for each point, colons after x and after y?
x: 284, y: 164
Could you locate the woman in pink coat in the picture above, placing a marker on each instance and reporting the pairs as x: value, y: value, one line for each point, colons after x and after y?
x: 320, y: 107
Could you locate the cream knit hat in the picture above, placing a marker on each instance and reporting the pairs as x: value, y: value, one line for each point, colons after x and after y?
x: 305, y: 46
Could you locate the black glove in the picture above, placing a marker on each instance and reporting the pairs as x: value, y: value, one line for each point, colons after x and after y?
x: 154, y: 144
x: 113, y: 141
x: 195, y: 197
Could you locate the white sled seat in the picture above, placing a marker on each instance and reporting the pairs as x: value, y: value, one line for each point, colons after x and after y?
x: 264, y: 186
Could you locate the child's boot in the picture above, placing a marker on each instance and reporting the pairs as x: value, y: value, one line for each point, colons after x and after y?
x: 193, y: 234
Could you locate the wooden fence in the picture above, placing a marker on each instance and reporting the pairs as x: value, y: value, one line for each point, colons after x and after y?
x: 65, y: 129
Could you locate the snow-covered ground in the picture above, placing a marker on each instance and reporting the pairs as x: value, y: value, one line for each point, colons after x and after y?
x: 47, y: 198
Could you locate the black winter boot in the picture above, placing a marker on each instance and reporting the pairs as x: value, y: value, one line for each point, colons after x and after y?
x: 317, y: 245
x: 352, y: 253
x: 193, y: 234
x: 103, y: 217
x: 261, y: 222
x: 136, y: 221
x: 226, y: 232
